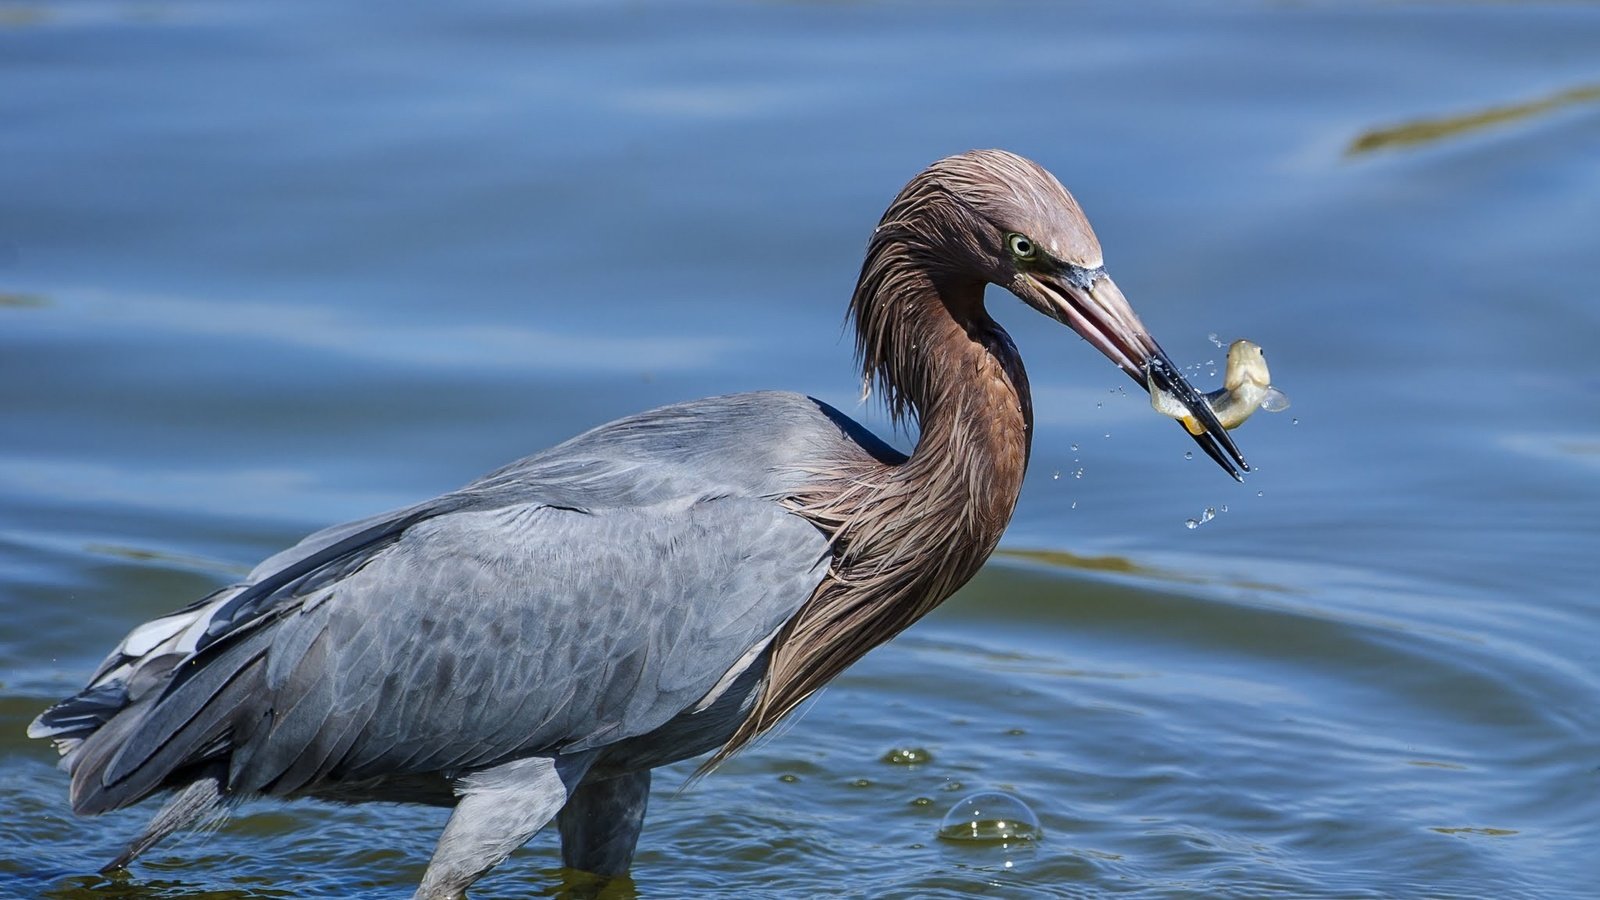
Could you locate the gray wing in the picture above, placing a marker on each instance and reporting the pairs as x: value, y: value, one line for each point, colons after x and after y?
x: 576, y: 598
x: 484, y: 636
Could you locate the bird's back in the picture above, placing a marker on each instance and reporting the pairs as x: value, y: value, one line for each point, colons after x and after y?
x: 573, y: 600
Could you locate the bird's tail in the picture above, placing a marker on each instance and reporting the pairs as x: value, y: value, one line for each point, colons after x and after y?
x: 171, y: 738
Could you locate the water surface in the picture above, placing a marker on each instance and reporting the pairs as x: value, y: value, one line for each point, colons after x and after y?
x: 268, y: 266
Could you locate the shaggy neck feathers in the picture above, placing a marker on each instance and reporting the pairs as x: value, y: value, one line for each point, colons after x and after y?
x: 907, y: 536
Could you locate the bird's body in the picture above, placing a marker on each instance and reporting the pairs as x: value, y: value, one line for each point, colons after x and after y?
x: 528, y: 647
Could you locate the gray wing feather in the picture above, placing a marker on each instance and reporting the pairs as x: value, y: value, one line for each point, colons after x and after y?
x: 161, y: 737
x: 483, y: 636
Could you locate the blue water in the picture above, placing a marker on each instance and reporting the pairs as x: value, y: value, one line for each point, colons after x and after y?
x: 269, y: 266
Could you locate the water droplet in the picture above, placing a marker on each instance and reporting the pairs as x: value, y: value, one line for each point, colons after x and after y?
x: 1205, y: 517
x: 1191, y: 524
x: 1224, y: 508
x: 991, y: 817
x: 1294, y: 421
x: 1074, y: 449
x: 1108, y: 434
x: 1056, y: 475
x: 1188, y: 454
x: 1099, y: 403
x: 1074, y: 504
x: 1215, y: 341
x: 907, y: 756
x: 1079, y: 473
x: 1261, y: 493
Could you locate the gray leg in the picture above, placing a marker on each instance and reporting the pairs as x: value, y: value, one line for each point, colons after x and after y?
x: 500, y: 809
x: 600, y: 824
x: 200, y: 799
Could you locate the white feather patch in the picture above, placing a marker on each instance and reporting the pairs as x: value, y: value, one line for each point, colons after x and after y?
x: 147, y: 636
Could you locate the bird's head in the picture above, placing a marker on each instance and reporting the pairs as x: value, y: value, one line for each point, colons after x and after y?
x: 1009, y: 221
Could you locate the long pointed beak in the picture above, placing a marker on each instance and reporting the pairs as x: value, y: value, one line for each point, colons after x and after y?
x: 1090, y: 303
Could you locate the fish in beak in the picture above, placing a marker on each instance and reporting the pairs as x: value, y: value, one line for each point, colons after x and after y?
x: 1087, y: 300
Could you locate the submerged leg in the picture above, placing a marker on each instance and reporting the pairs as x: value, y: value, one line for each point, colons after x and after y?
x: 500, y: 809
x: 200, y: 799
x: 600, y: 824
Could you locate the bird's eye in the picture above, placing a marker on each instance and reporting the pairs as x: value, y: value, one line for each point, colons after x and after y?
x: 1020, y: 246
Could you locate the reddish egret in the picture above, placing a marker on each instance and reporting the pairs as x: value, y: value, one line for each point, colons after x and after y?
x: 529, y: 647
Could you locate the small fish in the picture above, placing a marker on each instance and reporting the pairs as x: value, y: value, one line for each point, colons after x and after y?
x: 1246, y: 387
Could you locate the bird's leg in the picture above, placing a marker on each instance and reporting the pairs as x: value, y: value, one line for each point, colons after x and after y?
x: 600, y: 823
x: 197, y: 801
x: 500, y: 809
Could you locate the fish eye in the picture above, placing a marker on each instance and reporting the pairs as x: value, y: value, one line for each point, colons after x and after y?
x: 1020, y: 246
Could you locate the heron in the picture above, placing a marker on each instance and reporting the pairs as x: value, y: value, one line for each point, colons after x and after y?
x: 528, y: 648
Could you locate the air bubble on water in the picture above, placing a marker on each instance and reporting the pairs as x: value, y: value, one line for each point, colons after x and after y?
x: 906, y: 756
x: 991, y: 817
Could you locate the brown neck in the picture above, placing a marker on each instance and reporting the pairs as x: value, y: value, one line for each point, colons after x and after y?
x: 965, y: 385
x: 907, y: 536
